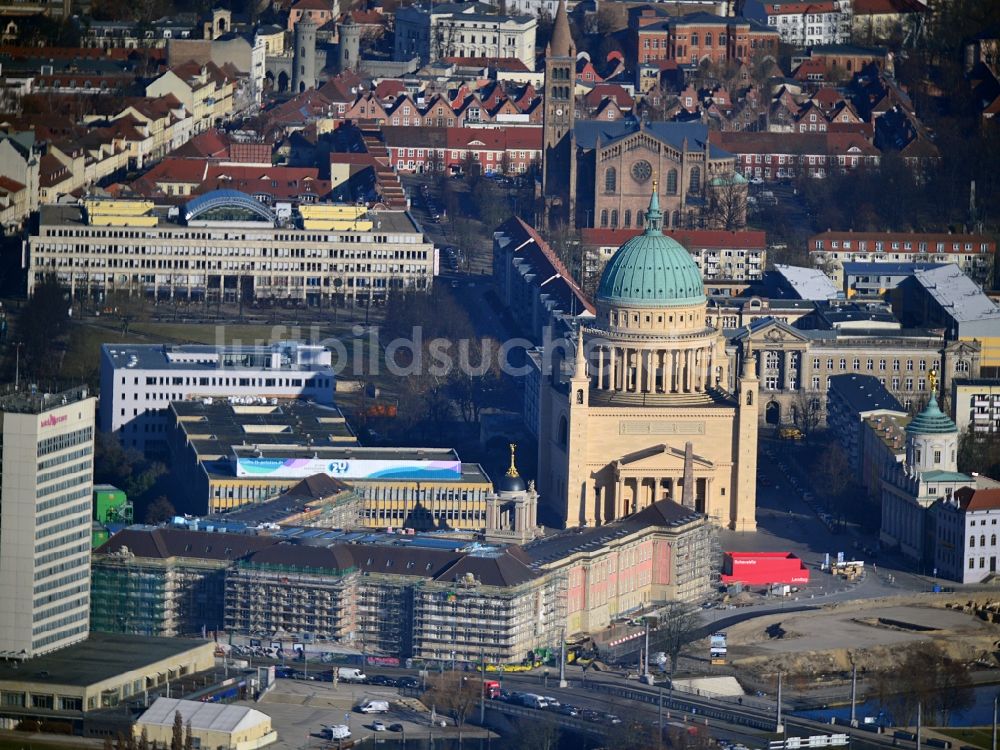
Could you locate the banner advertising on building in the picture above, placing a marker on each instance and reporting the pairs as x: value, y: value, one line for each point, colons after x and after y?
x: 348, y: 468
x: 717, y: 648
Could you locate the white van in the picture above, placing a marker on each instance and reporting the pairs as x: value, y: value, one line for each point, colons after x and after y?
x: 374, y: 707
x: 338, y: 732
x: 351, y: 674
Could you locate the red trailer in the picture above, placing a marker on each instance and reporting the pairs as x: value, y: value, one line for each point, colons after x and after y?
x: 763, y: 568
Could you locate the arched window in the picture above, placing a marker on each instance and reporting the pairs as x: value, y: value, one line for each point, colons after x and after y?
x: 993, y: 540
x: 972, y: 541
x: 604, y: 217
x: 694, y: 40
x: 749, y: 398
x: 579, y: 396
x: 610, y: 180
x: 628, y: 218
x: 676, y: 220
x: 614, y: 218
x: 640, y: 217
x: 708, y: 40
x: 962, y: 366
x: 672, y: 182
x: 563, y: 431
x: 982, y: 540
x: 695, y: 180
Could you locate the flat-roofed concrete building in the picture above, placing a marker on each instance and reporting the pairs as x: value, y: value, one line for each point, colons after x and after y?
x: 226, y: 245
x: 138, y: 381
x: 234, y: 455
x: 975, y: 404
x: 946, y: 298
x: 46, y: 486
x: 851, y: 399
x: 99, y: 673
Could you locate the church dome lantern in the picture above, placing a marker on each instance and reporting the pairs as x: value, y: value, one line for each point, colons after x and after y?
x: 651, y: 270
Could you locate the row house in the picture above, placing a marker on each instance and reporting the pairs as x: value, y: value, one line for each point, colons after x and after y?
x: 15, y: 203
x: 20, y: 157
x: 804, y: 24
x: 777, y: 156
x: 697, y: 37
x: 971, y: 252
x: 606, y: 101
x: 469, y: 109
x: 205, y: 91
x: 495, y: 150
x: 165, y: 119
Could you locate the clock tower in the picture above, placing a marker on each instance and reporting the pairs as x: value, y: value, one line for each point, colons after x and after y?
x: 558, y: 157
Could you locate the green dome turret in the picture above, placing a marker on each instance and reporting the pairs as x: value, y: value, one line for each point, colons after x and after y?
x: 652, y: 270
x: 931, y: 421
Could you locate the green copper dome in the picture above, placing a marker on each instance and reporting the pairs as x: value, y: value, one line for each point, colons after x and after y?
x: 651, y: 270
x: 931, y: 421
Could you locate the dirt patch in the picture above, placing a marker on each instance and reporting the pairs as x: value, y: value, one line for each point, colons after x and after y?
x: 874, y: 634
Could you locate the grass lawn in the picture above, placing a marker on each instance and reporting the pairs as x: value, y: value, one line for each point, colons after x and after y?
x: 82, y: 357
x: 977, y: 736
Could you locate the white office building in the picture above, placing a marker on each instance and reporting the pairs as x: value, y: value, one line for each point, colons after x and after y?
x: 226, y: 246
x: 46, y: 486
x: 804, y: 24
x: 138, y: 382
x: 473, y: 29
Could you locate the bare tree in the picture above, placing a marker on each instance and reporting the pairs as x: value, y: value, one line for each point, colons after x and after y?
x: 456, y: 693
x: 727, y: 203
x: 677, y: 626
x: 808, y: 410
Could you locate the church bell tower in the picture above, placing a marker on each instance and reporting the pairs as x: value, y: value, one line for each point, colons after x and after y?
x: 558, y: 157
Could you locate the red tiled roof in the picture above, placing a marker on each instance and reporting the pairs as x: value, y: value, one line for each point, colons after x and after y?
x: 390, y: 87
x: 511, y: 64
x: 609, y: 91
x: 914, y: 238
x: 791, y: 143
x: 368, y: 17
x: 313, y: 5
x: 978, y: 499
x: 11, y: 186
x: 687, y: 237
x: 799, y: 8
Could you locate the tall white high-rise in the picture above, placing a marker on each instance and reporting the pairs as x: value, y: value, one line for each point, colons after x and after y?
x: 46, y: 492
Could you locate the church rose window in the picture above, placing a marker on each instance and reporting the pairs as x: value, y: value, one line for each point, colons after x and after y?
x: 642, y: 170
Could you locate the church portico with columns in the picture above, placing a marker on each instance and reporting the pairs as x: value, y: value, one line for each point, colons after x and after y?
x: 646, y: 415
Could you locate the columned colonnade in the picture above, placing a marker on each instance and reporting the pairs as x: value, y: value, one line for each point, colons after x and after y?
x: 634, y: 369
x: 629, y: 493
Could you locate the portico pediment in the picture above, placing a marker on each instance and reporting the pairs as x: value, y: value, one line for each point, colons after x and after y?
x: 660, y: 457
x: 771, y: 331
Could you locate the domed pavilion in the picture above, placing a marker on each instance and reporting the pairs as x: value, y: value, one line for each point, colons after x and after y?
x: 644, y: 416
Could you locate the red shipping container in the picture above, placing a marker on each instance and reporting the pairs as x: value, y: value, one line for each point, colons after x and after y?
x: 763, y: 568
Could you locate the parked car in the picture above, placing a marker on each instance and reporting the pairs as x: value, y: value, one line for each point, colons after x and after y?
x: 395, y: 727
x: 378, y: 726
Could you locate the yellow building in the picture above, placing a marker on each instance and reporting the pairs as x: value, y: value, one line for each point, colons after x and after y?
x: 97, y: 673
x: 214, y: 726
x: 644, y: 416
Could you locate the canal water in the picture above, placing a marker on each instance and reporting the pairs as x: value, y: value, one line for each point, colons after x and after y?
x: 978, y: 715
